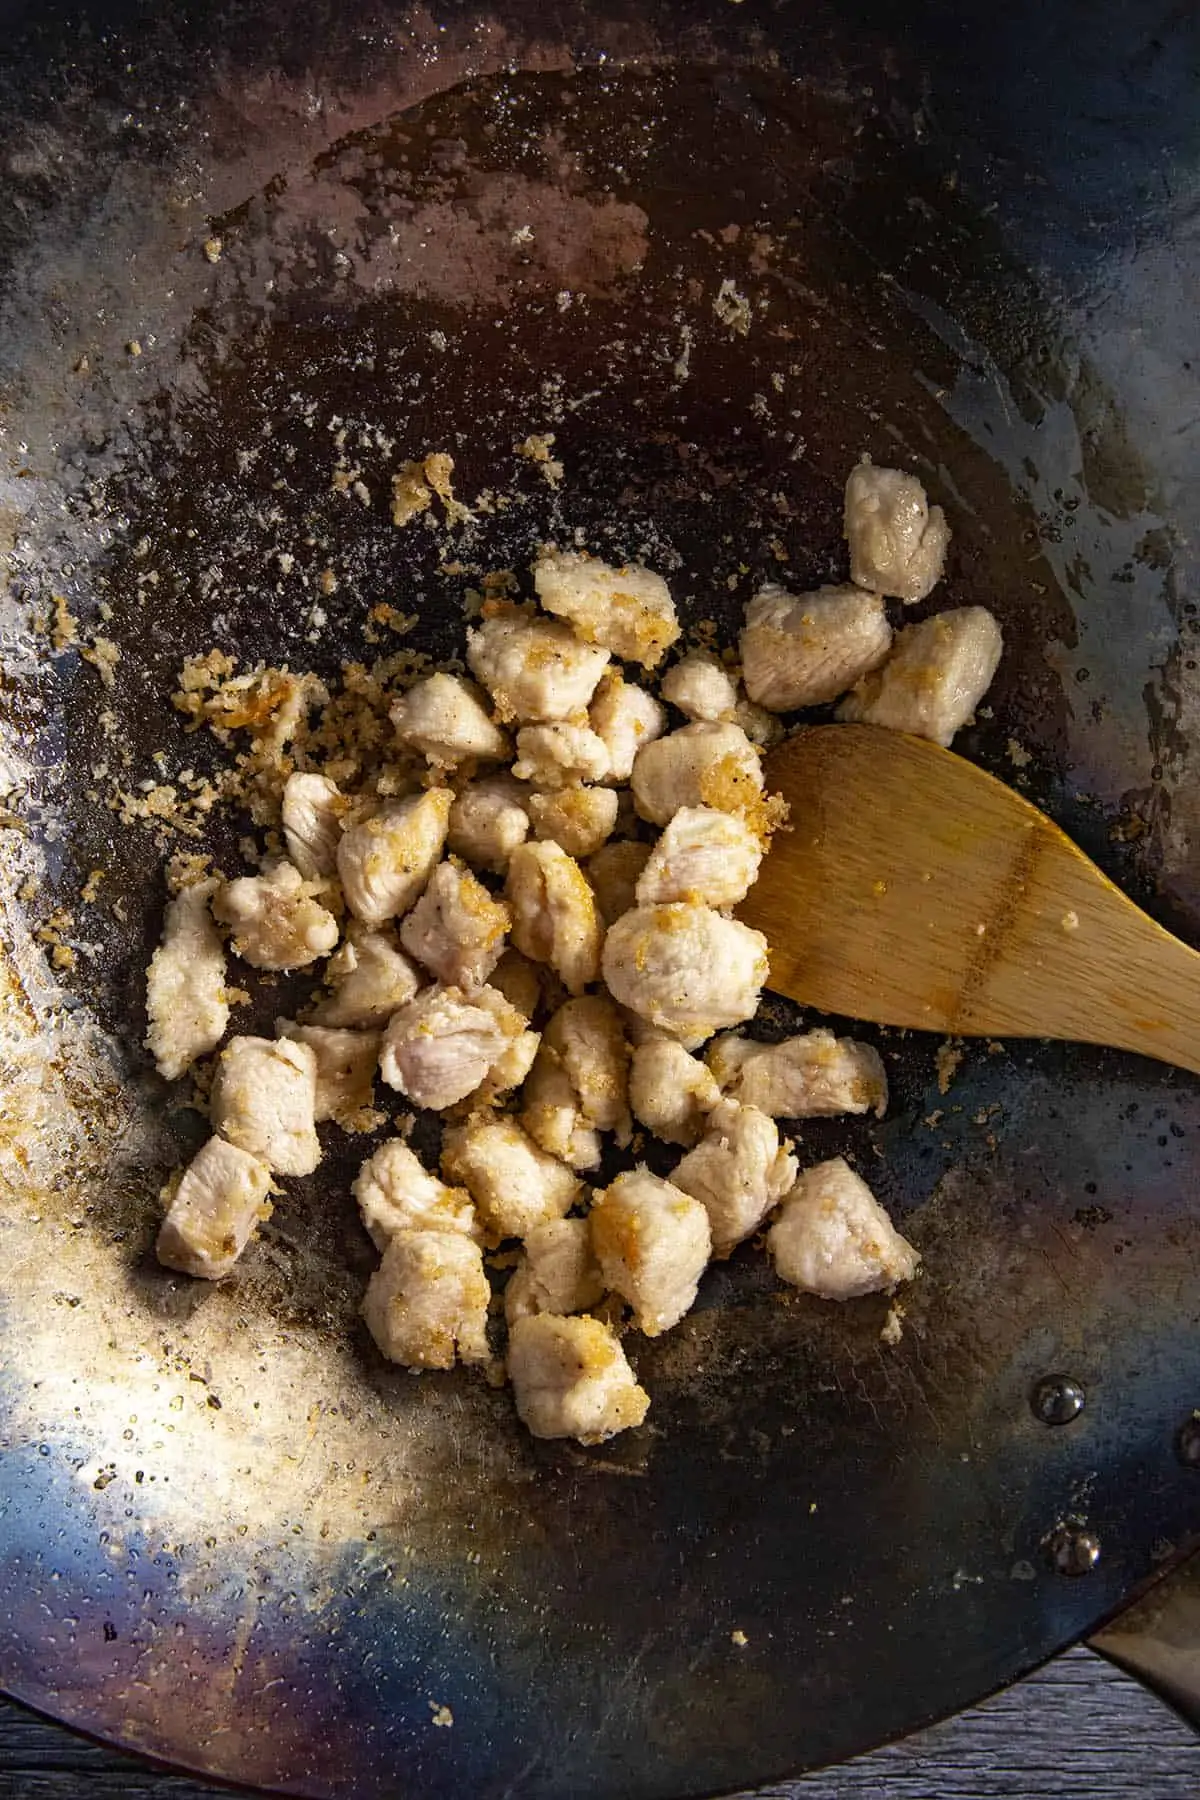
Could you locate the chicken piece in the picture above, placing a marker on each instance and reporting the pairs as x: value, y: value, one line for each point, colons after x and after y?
x: 803, y: 649
x: 571, y: 1378
x: 614, y: 872
x: 534, y: 669
x: 186, y: 1000
x: 551, y: 1115
x: 456, y: 929
x: 813, y: 1076
x: 700, y: 686
x: 554, y: 916
x: 934, y: 679
x: 346, y: 1064
x: 586, y: 1038
x: 699, y: 765
x: 628, y: 610
x: 445, y: 719
x: 738, y: 1171
x: 670, y: 1092
x: 653, y: 1243
x: 426, y: 1305
x: 369, y: 978
x: 833, y: 1238
x: 520, y: 981
x: 762, y: 727
x: 264, y: 1099
x: 513, y: 1183
x: 213, y: 1209
x: 313, y: 808
x: 385, y: 862
x: 897, y: 540
x: 686, y: 969
x: 488, y: 820
x: 556, y: 1274
x: 509, y: 1070
x: 578, y: 819
x: 395, y: 1192
x: 625, y: 717
x: 560, y: 755
x: 443, y: 1044
x: 728, y: 1055
x: 708, y: 857
x: 274, y: 920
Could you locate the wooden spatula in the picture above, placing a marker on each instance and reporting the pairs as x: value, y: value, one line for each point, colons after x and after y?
x: 914, y: 889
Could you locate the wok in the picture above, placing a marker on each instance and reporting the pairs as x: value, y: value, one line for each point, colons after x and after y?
x: 958, y: 237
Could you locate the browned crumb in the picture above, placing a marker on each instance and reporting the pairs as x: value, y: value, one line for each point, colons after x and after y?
x: 419, y: 482
x: 949, y: 1056
x: 89, y: 893
x: 536, y: 449
x: 104, y: 655
x: 212, y: 249
x: 65, y: 630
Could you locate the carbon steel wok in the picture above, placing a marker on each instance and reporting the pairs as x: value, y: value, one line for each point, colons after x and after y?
x: 965, y: 239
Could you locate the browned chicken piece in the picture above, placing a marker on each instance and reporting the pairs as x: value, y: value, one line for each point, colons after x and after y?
x: 513, y: 1183
x: 815, y: 1075
x: 395, y: 1192
x: 554, y: 915
x: 614, y: 872
x: 551, y: 1115
x: 803, y: 649
x: 488, y: 820
x: 738, y: 1171
x: 346, y: 1064
x: 586, y: 1037
x: 385, y: 862
x: 508, y: 1071
x: 652, y: 1242
x: 699, y: 765
x: 312, y: 809
x: 213, y: 1208
x: 557, y: 1272
x: 578, y: 819
x: 704, y: 856
x: 370, y: 978
x: 445, y: 719
x: 935, y: 677
x: 686, y: 969
x: 264, y: 1097
x: 560, y: 755
x: 186, y: 999
x: 897, y: 540
x: 534, y: 669
x: 442, y: 1045
x: 426, y: 1305
x: 456, y: 929
x: 625, y: 716
x: 671, y: 1092
x: 833, y: 1238
x: 763, y: 728
x: 520, y: 981
x: 275, y: 921
x: 628, y: 610
x: 572, y: 1379
x: 701, y: 686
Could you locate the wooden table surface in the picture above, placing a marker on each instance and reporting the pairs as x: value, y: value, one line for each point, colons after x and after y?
x: 1078, y: 1730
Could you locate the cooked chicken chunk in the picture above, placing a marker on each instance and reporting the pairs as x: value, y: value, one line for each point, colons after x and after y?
x: 812, y: 1076
x: 520, y: 981
x: 488, y: 820
x: 625, y: 716
x: 834, y: 1239
x: 534, y: 669
x: 578, y: 819
x: 426, y: 1305
x: 369, y: 979
x: 274, y: 920
x: 395, y: 1192
x: 213, y: 1209
x: 346, y: 1064
x: 560, y: 755
x: 671, y: 1092
x: 508, y: 1071
x: 439, y: 1047
x: 701, y: 686
x: 686, y: 969
x: 264, y: 1098
x: 385, y: 862
x: 557, y: 1272
x: 587, y: 1038
x: 312, y: 823
x: 445, y: 719
x: 614, y: 872
x: 185, y: 984
x: 803, y: 649
x: 652, y: 1242
x: 514, y: 1184
x: 738, y: 1171
x: 897, y: 540
x: 705, y: 856
x: 571, y: 1379
x: 554, y: 916
x: 456, y: 929
x: 759, y: 725
x: 629, y: 610
x: 551, y: 1114
x: 699, y: 765
x: 934, y: 679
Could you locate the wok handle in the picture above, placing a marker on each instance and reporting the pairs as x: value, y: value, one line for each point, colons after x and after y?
x: 1158, y: 1639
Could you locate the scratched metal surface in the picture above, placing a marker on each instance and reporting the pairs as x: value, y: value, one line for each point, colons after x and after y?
x: 229, y: 1535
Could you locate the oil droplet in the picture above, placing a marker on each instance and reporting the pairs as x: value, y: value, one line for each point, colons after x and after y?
x: 1057, y: 1399
x: 1187, y: 1443
x: 1073, y: 1550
